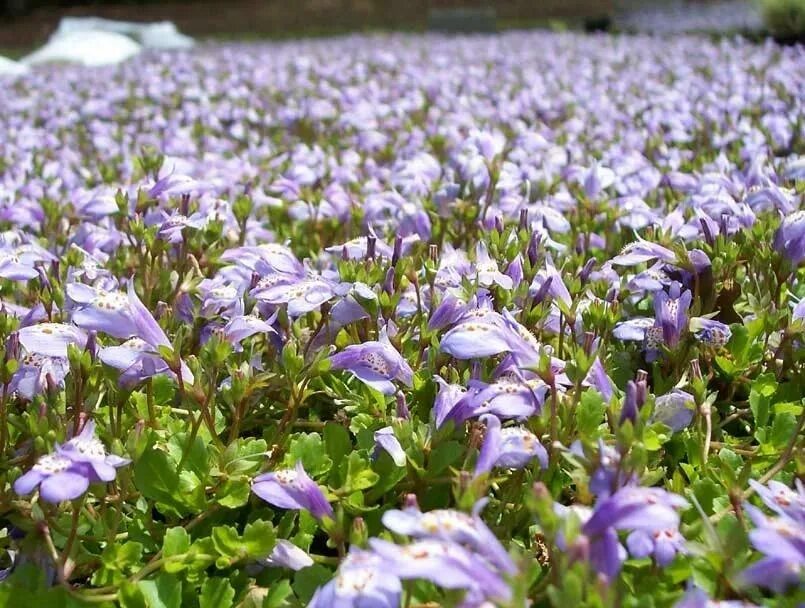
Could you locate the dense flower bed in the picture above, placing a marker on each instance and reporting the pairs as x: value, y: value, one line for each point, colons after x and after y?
x: 405, y: 320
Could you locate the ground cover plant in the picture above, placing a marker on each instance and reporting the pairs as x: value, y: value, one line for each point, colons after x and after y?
x: 405, y: 321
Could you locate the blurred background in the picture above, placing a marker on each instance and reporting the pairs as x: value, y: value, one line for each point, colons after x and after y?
x: 25, y: 24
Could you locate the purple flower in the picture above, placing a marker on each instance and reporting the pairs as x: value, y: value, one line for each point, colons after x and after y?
x: 453, y: 526
x: 630, y: 508
x: 480, y: 332
x: 511, y: 447
x: 711, y: 333
x: 287, y: 555
x: 789, y: 240
x: 641, y: 251
x: 138, y: 358
x: 674, y: 409
x: 300, y: 295
x: 781, y: 540
x: 103, y: 311
x: 36, y: 372
x: 507, y: 397
x: 67, y: 472
x: 51, y: 339
x: 662, y: 545
x: 487, y: 269
x: 292, y: 489
x: 443, y: 563
x: 363, y: 580
x: 375, y: 363
x: 386, y: 441
x: 446, y: 399
x: 782, y: 499
x: 671, y: 313
x: 598, y: 379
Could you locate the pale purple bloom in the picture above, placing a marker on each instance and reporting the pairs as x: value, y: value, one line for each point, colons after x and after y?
x: 51, y: 339
x: 446, y: 399
x: 598, y: 379
x: 710, y: 332
x: 454, y: 526
x: 67, y: 472
x: 661, y: 545
x: 510, y: 447
x: 386, y: 441
x: 640, y: 251
x: 671, y: 313
x: 375, y: 363
x: 292, y: 489
x: 36, y: 372
x: 363, y: 580
x: 789, y: 240
x: 631, y: 508
x: 782, y: 499
x: 300, y: 295
x: 508, y: 397
x: 104, y: 311
x: 781, y: 540
x: 443, y: 563
x: 480, y: 332
x: 674, y: 409
x: 287, y: 555
x: 138, y: 358
x: 487, y: 269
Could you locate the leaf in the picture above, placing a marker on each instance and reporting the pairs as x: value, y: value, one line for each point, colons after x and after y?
x: 233, y: 493
x: 307, y: 580
x: 443, y: 456
x: 782, y: 429
x: 156, y: 478
x: 359, y: 475
x: 259, y: 538
x: 216, y: 592
x: 277, y: 594
x: 590, y: 413
x: 164, y: 591
x: 760, y: 398
x: 337, y: 442
x: 309, y: 448
x: 175, y: 543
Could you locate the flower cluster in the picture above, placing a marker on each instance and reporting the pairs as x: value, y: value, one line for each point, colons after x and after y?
x: 405, y: 320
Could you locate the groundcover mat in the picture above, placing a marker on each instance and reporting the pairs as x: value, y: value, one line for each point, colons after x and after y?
x: 405, y: 320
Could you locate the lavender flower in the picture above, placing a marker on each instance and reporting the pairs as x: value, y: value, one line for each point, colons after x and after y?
x: 789, y: 240
x: 375, y: 363
x: 781, y: 540
x: 454, y: 526
x: 511, y: 447
x: 67, y: 472
x: 711, y: 333
x: 386, y: 441
x: 363, y: 580
x: 674, y: 409
x: 292, y: 489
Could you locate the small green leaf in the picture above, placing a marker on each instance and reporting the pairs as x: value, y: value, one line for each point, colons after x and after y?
x: 216, y: 592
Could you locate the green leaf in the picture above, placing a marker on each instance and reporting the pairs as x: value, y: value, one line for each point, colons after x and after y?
x: 443, y: 456
x: 259, y: 538
x: 164, y: 591
x: 307, y: 580
x: 590, y: 413
x: 156, y: 478
x: 760, y: 398
x: 233, y: 493
x: 359, y: 475
x: 782, y: 429
x: 277, y: 594
x: 309, y: 448
x: 175, y: 544
x: 216, y: 593
x: 337, y: 442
